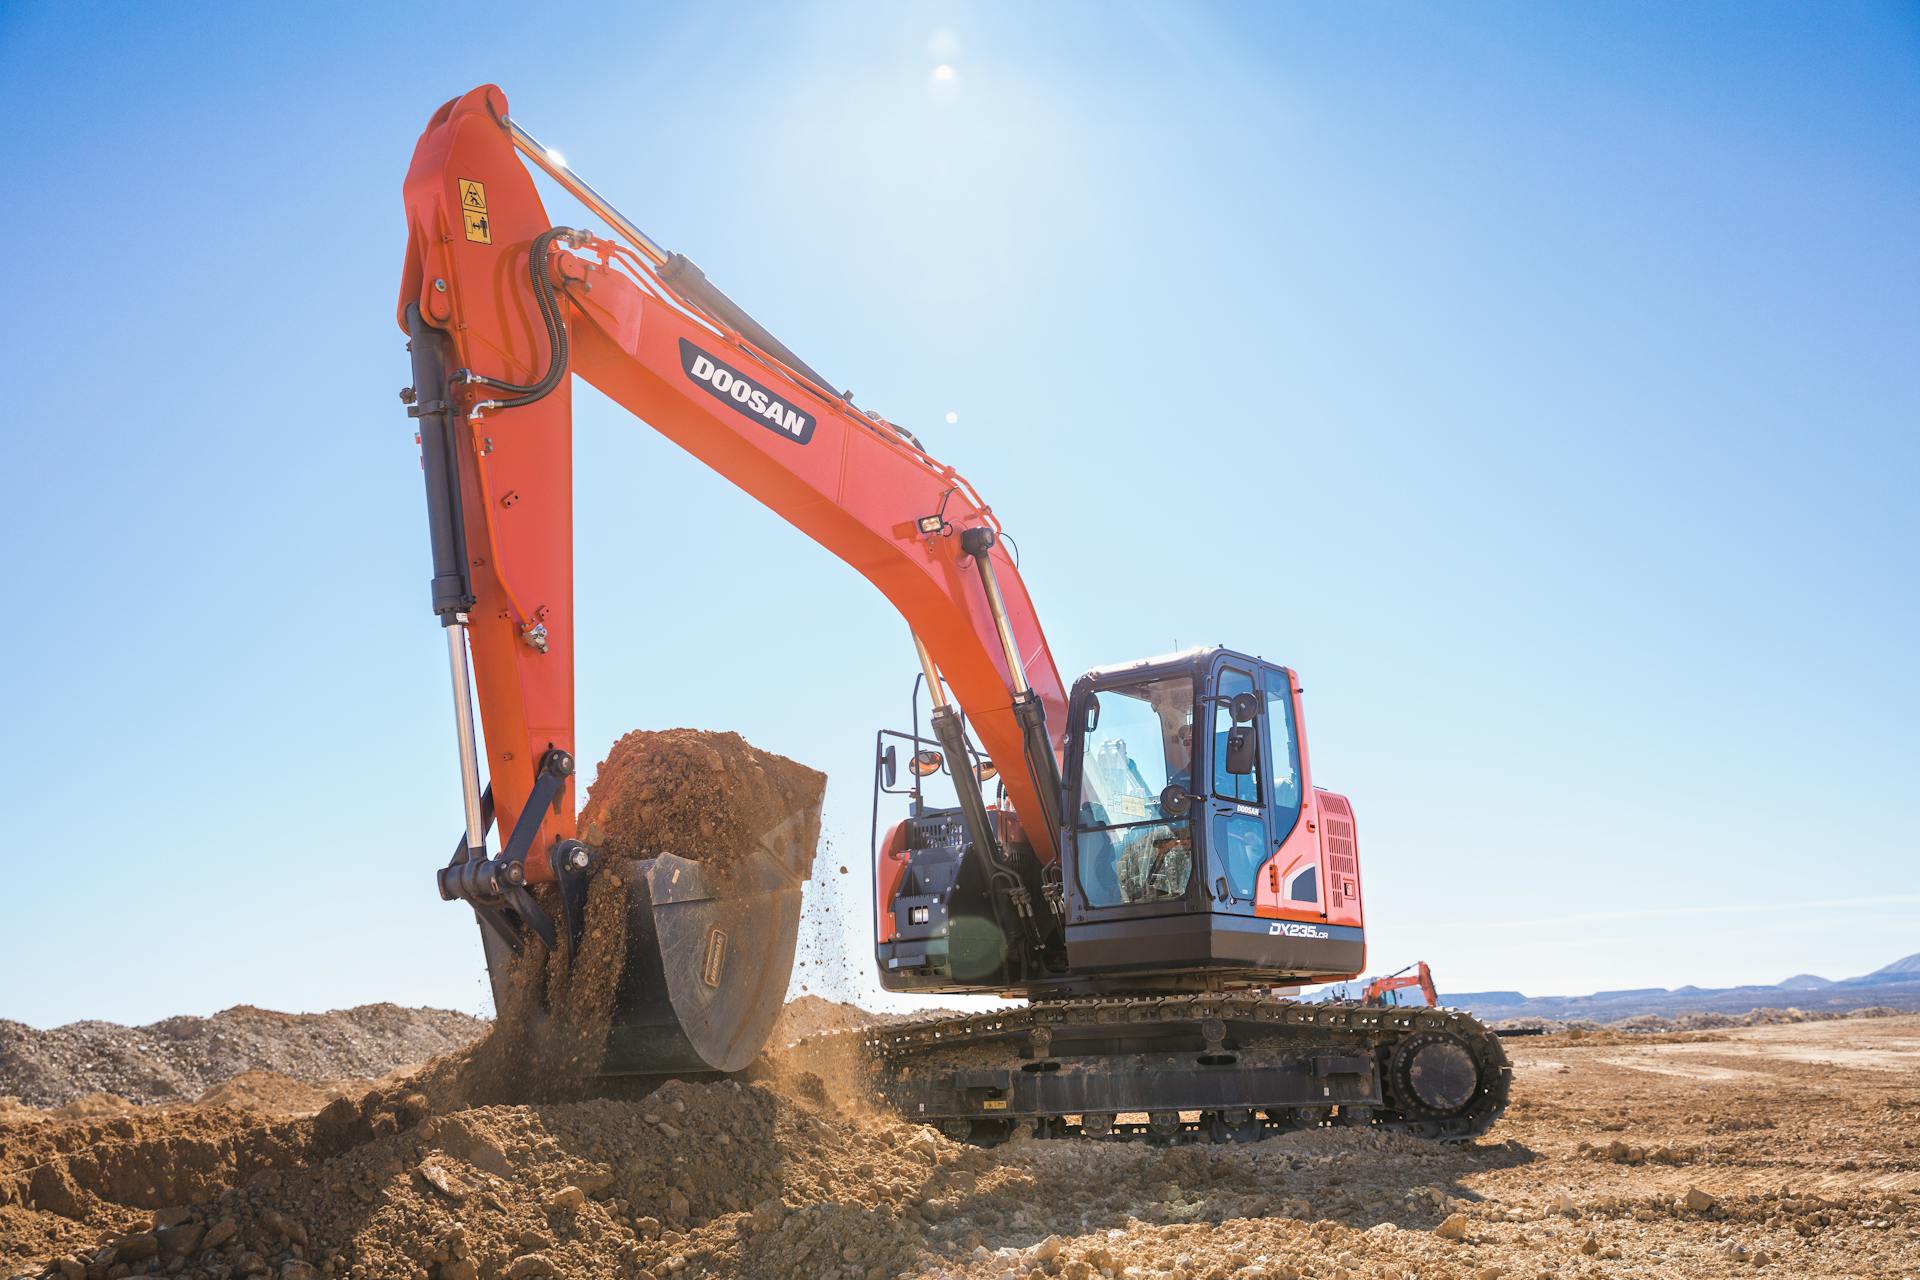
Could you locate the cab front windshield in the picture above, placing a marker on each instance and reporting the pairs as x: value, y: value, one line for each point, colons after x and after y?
x: 1129, y: 851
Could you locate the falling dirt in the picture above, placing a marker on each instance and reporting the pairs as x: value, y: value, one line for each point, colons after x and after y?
x: 1794, y: 1168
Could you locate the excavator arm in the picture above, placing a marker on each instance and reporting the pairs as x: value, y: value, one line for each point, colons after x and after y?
x: 501, y: 308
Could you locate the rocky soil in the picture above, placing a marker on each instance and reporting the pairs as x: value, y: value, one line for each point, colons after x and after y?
x: 1786, y: 1150
x: 179, y: 1059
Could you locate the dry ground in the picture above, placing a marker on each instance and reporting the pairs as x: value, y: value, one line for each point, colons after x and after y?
x: 1798, y: 1143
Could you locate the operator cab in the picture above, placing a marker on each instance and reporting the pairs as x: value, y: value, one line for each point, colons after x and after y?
x: 1195, y: 851
x: 1196, y: 845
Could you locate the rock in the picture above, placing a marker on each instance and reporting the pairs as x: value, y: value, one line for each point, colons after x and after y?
x: 568, y: 1199
x: 219, y: 1233
x: 768, y: 1215
x: 1454, y: 1228
x: 249, y: 1264
x: 295, y: 1269
x: 1590, y: 1246
x: 136, y: 1248
x: 70, y: 1268
x: 442, y: 1179
x: 290, y: 1228
x: 647, y: 1228
x: 1488, y: 1273
x: 1563, y: 1204
x: 530, y: 1264
x: 459, y: 1269
x: 181, y: 1241
x: 164, y: 1218
x: 678, y: 1206
x: 1046, y: 1251
x: 1699, y: 1201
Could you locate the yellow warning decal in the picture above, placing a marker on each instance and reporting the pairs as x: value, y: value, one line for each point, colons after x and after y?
x: 993, y: 1104
x: 473, y: 210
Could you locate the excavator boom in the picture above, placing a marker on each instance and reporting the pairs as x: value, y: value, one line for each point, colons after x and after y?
x: 645, y: 328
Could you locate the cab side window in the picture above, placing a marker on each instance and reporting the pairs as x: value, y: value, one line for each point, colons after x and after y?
x: 1286, y: 753
x: 1242, y: 788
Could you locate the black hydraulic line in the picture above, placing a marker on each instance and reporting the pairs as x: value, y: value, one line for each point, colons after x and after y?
x: 549, y: 304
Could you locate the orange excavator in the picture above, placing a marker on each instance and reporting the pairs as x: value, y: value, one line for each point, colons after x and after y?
x: 1153, y: 854
x: 1380, y: 990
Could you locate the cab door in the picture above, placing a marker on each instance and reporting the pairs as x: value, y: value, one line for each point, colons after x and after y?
x: 1293, y: 882
x: 1238, y: 841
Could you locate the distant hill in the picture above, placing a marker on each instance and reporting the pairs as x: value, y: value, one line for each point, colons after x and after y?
x: 1804, y: 982
x: 1906, y: 969
x: 1896, y: 985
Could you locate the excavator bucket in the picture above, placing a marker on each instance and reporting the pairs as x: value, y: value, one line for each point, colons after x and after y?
x: 680, y: 947
x: 707, y: 968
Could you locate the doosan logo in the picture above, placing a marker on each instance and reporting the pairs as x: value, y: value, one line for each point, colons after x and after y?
x: 745, y: 395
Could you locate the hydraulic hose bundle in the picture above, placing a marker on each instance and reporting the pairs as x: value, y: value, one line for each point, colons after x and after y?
x: 549, y: 304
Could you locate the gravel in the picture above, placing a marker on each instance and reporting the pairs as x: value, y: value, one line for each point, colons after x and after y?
x: 179, y: 1059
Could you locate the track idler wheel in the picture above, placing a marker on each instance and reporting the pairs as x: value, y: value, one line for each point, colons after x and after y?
x: 1434, y: 1074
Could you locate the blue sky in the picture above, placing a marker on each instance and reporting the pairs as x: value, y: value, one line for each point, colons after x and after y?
x: 1538, y: 381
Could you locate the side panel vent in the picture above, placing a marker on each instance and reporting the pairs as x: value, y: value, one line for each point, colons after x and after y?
x: 1337, y: 841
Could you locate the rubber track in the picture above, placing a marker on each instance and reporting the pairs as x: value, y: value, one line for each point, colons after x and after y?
x: 1378, y: 1028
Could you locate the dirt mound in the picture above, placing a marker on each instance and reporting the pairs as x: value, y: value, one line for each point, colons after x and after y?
x: 275, y: 1094
x: 179, y: 1059
x: 724, y: 1173
x: 1658, y: 1024
x: 1789, y: 1144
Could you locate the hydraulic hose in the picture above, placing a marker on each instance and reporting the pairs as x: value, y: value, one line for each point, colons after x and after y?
x: 549, y: 304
